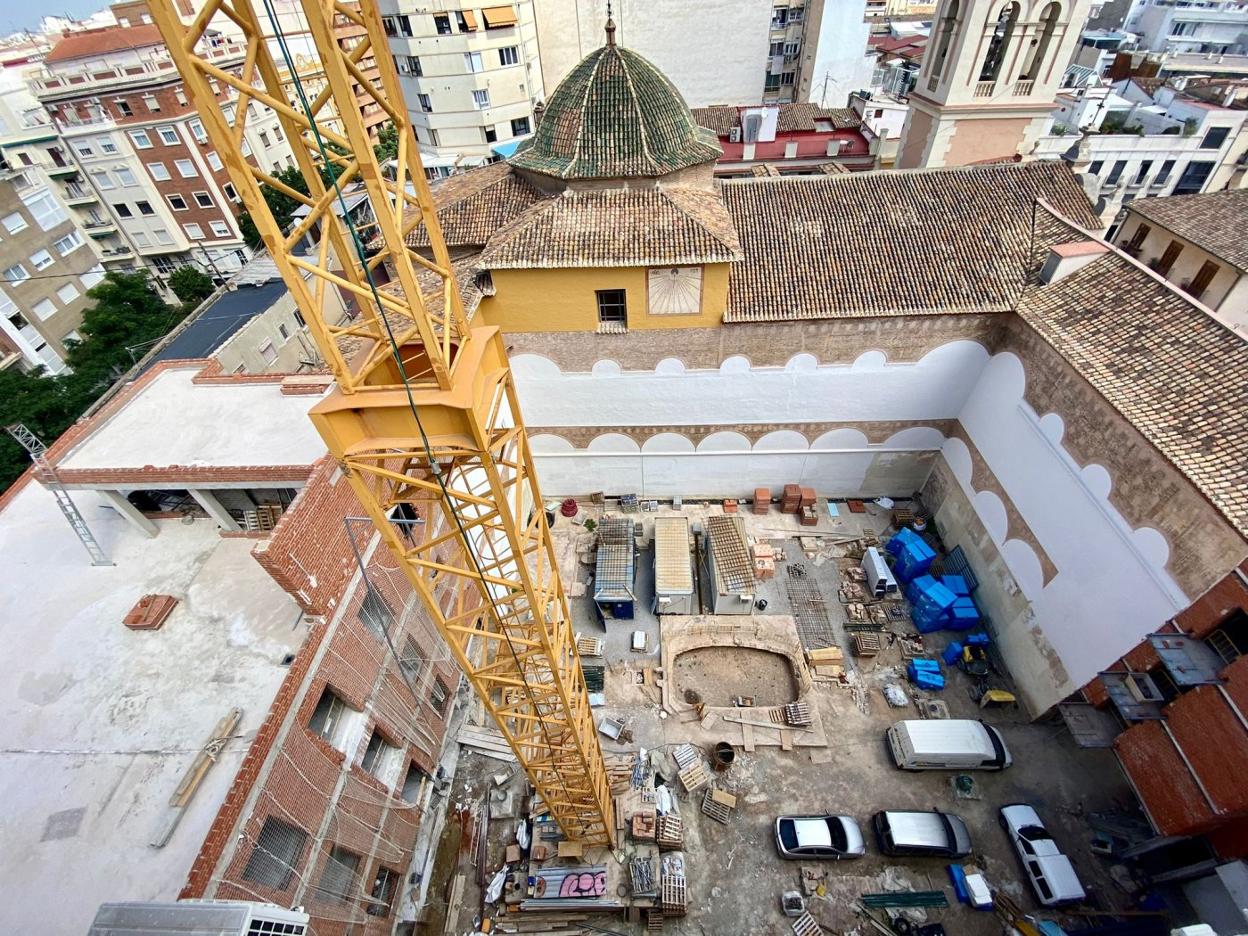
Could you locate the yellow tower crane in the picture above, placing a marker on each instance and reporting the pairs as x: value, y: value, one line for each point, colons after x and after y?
x: 424, y: 410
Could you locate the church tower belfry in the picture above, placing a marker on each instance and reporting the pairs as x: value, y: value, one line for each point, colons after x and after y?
x: 990, y: 74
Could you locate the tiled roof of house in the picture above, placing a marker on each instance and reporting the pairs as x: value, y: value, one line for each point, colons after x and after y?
x: 615, y: 116
x: 1215, y: 222
x: 617, y: 228
x: 721, y: 118
x: 473, y: 205
x: 890, y: 243
x: 1177, y: 375
x: 718, y: 118
x: 92, y: 42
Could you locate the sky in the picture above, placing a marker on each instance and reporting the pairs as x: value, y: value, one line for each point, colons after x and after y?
x: 15, y: 16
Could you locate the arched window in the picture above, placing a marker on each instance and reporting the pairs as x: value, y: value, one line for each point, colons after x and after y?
x: 999, y: 43
x: 1039, y: 51
x: 945, y: 34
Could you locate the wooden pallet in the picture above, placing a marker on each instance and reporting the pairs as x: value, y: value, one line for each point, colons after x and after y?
x: 694, y: 777
x: 588, y: 646
x: 797, y: 713
x: 673, y: 897
x: 805, y: 925
x: 685, y: 755
x: 867, y: 644
x: 669, y: 833
x: 654, y: 921
x: 718, y: 805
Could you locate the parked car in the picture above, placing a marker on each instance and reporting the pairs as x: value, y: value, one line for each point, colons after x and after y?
x: 1051, y: 874
x: 947, y: 744
x: 933, y: 833
x: 819, y: 837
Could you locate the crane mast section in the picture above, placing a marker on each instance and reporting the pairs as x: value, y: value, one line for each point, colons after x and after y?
x: 423, y: 418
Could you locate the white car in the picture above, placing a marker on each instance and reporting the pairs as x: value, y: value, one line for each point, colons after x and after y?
x: 819, y: 837
x: 1051, y: 874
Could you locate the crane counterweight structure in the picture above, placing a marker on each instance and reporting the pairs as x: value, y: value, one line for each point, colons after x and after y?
x: 424, y: 417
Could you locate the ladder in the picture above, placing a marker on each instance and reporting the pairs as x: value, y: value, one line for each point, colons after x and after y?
x: 48, y: 477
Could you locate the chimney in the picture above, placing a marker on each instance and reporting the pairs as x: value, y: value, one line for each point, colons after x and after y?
x: 1065, y: 259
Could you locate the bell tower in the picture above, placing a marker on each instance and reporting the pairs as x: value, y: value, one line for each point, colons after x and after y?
x: 990, y: 74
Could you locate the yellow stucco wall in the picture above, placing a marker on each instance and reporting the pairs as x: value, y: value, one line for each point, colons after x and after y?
x: 564, y: 300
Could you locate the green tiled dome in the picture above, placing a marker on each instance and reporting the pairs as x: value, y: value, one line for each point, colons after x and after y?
x: 613, y: 117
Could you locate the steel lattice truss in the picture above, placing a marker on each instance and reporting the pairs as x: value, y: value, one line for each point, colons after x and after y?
x: 447, y: 440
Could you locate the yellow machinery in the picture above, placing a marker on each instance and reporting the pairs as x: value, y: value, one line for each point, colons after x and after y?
x: 424, y: 413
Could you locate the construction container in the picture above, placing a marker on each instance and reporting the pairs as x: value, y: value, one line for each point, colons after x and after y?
x: 762, y: 500
x: 729, y: 567
x: 913, y: 557
x: 673, y: 571
x: 613, y: 571
x: 880, y: 581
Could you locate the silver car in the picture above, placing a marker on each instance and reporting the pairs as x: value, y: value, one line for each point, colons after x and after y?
x: 819, y: 837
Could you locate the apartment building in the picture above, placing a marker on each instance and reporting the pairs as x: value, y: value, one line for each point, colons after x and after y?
x: 130, y: 156
x: 1211, y: 26
x: 1143, y: 138
x: 470, y: 76
x: 46, y: 268
x: 770, y: 52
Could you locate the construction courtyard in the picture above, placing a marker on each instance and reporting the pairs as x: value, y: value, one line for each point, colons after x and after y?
x: 677, y: 684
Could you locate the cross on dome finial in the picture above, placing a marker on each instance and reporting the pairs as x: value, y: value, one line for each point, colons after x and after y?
x: 610, y: 26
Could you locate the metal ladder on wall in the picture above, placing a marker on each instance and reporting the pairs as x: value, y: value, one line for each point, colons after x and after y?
x: 48, y: 476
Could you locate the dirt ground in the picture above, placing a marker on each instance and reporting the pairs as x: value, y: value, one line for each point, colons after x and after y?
x: 720, y: 674
x: 735, y: 877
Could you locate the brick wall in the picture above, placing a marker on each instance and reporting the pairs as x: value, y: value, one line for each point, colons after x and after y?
x: 295, y: 776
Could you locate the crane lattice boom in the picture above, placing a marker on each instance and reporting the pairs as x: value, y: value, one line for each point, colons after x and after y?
x: 424, y: 413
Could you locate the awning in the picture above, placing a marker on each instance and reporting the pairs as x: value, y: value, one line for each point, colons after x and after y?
x: 499, y: 16
x: 507, y: 148
x: 470, y: 18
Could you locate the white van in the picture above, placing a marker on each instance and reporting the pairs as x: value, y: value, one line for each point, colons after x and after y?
x: 947, y: 744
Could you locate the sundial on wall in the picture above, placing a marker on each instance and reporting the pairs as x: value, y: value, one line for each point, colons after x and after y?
x: 675, y: 290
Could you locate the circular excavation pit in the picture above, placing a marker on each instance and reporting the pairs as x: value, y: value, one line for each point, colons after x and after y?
x: 720, y: 675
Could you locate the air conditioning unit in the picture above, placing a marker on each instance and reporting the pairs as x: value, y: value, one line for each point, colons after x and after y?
x: 734, y: 135
x: 1142, y: 688
x: 226, y: 917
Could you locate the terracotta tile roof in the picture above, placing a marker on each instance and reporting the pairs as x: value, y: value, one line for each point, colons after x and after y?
x: 93, y: 42
x: 1176, y: 374
x: 473, y: 205
x: 795, y: 117
x: 1215, y: 222
x: 615, y: 116
x: 617, y: 228
x: 721, y: 118
x: 718, y: 118
x: 890, y: 243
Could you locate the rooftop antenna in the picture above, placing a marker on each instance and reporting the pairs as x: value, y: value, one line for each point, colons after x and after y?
x: 47, y: 474
x: 610, y: 26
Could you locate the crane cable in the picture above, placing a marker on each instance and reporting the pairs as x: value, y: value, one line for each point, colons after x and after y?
x: 435, y: 468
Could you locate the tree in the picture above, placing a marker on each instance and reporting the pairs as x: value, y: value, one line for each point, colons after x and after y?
x: 191, y: 285
x: 281, y: 204
x: 127, y: 318
x: 387, y: 145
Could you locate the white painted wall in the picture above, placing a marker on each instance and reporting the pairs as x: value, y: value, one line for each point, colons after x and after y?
x: 841, y: 64
x: 935, y: 387
x: 730, y: 37
x: 724, y: 464
x: 1111, y: 586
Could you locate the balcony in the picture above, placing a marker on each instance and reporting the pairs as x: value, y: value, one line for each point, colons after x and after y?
x: 985, y: 89
x: 51, y: 85
x: 60, y: 170
x: 120, y: 251
x: 79, y: 195
x: 1023, y: 87
x: 100, y: 228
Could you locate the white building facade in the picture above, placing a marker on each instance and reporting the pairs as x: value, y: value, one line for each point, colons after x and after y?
x: 470, y: 75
